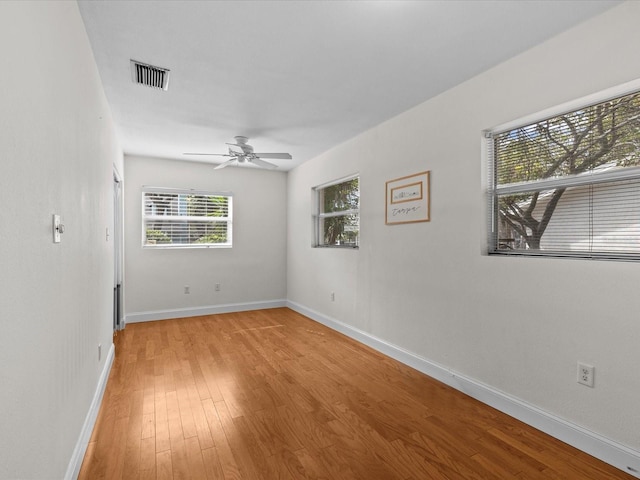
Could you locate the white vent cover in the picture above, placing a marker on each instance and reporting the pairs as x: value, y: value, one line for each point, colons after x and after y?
x: 150, y: 76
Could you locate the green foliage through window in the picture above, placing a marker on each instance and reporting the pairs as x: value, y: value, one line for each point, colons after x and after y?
x: 338, y: 216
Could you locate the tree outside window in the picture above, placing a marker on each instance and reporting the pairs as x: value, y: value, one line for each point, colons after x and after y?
x: 558, y: 168
x: 338, y: 218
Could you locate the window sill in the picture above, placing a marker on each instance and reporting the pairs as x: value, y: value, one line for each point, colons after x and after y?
x: 183, y: 247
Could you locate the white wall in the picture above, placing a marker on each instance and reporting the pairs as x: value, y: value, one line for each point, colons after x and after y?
x: 518, y: 325
x: 57, y: 148
x: 253, y: 270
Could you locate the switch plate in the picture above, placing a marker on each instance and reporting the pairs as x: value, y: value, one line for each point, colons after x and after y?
x: 56, y: 229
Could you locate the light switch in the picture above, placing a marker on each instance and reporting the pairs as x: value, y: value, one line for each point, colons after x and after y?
x: 58, y: 229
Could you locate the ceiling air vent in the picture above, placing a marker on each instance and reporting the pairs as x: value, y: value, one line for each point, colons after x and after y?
x: 150, y: 76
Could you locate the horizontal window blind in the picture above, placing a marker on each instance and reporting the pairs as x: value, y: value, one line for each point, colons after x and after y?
x: 173, y: 218
x: 569, y: 185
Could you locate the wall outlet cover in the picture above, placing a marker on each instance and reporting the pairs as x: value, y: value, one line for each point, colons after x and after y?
x: 586, y: 374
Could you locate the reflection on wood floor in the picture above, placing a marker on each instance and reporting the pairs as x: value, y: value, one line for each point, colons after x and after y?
x: 270, y: 394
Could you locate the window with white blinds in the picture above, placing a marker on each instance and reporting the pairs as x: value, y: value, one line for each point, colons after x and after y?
x: 569, y: 185
x: 185, y: 218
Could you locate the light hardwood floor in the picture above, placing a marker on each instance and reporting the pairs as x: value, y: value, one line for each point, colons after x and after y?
x: 270, y: 394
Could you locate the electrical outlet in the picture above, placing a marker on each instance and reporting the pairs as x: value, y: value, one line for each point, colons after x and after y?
x: 585, y: 374
x: 187, y: 290
x: 333, y: 296
x: 217, y: 287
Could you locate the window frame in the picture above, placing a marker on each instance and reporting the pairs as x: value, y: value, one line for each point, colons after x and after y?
x: 318, y: 216
x: 494, y: 190
x: 183, y: 191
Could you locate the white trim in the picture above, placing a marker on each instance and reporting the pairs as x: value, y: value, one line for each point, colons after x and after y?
x: 605, y: 449
x: 337, y: 181
x: 570, y: 106
x: 593, y: 178
x: 186, y: 191
x: 341, y: 213
x: 185, y: 246
x: 185, y: 218
x: 151, y: 316
x: 73, y: 469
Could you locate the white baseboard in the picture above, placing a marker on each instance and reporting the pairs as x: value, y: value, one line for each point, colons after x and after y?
x: 137, y: 317
x: 73, y: 469
x: 607, y: 450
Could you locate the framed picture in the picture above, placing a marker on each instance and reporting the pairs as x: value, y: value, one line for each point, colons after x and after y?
x: 407, y: 199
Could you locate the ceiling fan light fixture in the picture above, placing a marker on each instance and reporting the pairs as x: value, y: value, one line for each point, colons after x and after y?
x: 149, y: 75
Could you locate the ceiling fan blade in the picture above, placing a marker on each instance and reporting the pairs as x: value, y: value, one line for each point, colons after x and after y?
x: 283, y: 156
x: 211, y: 154
x: 262, y: 163
x: 225, y: 164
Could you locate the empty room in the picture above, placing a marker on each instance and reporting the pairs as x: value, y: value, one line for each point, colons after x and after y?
x: 320, y: 239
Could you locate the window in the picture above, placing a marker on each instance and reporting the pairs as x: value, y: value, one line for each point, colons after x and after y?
x: 184, y: 218
x: 337, y: 217
x: 569, y: 185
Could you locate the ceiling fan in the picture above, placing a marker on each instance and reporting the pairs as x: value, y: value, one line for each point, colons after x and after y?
x: 246, y: 155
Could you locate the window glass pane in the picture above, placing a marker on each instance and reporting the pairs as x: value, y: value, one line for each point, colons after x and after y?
x: 569, y: 225
x: 185, y: 232
x: 600, y: 219
x: 209, y: 206
x: 606, y: 135
x: 342, y: 230
x: 340, y: 197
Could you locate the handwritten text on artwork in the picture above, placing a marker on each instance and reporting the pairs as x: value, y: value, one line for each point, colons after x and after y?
x: 406, y: 193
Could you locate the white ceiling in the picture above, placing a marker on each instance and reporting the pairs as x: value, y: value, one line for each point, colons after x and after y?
x: 298, y: 76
